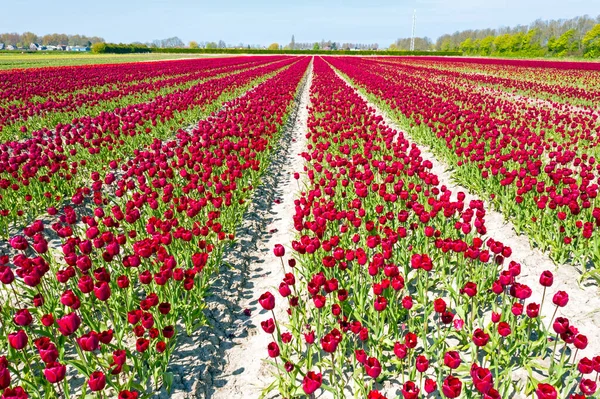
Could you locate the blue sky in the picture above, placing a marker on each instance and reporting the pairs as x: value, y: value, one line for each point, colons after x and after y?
x: 267, y: 21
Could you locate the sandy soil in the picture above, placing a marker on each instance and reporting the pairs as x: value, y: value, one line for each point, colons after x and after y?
x: 225, y: 359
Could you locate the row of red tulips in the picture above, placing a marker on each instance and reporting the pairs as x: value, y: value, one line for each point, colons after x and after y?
x: 106, y: 303
x: 396, y: 289
x: 541, y: 80
x: 19, y: 119
x: 538, y: 166
x: 36, y: 174
x: 18, y: 85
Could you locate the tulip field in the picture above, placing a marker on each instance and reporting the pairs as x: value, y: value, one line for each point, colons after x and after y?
x: 124, y: 186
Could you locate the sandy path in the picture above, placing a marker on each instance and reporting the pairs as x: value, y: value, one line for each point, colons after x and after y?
x: 225, y: 359
x: 583, y: 309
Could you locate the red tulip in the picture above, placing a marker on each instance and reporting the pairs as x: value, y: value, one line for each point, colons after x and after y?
x: 68, y: 324
x: 373, y: 367
x: 560, y: 299
x: 311, y: 382
x: 279, y: 250
x: 55, y: 372
x: 267, y: 301
x: 545, y: 391
x: 451, y: 387
x: 97, y: 381
x: 18, y: 340
x: 452, y: 359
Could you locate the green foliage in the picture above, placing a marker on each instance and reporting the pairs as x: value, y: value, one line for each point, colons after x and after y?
x: 273, y: 47
x: 564, y: 43
x: 99, y: 48
x: 316, y: 46
x: 123, y: 48
x: 502, y: 43
x: 467, y: 46
x: 486, y: 45
x: 446, y: 45
x: 120, y: 48
x: 591, y: 42
x: 579, y: 36
x: 194, y: 44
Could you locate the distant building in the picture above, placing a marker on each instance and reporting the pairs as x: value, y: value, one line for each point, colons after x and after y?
x: 35, y: 47
x: 78, y: 48
x: 11, y: 47
x: 1, y: 46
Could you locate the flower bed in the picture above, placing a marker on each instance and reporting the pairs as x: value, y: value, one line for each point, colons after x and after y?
x: 105, y: 303
x: 394, y: 290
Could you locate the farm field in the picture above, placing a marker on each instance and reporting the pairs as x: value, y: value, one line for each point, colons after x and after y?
x: 300, y: 227
x: 15, y: 60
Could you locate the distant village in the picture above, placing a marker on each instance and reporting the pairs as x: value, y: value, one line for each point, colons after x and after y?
x: 39, y: 47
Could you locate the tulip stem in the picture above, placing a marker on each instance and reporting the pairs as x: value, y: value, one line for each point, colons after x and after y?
x: 278, y: 370
x: 333, y: 373
x: 552, y: 319
x: 110, y: 314
x: 66, y: 392
x: 276, y: 324
x: 27, y: 361
x: 282, y: 265
x: 15, y: 294
x: 553, y: 355
x: 543, y: 297
x: 473, y: 304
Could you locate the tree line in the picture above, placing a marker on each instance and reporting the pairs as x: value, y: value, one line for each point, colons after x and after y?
x: 579, y: 36
x: 53, y: 39
x: 142, y: 48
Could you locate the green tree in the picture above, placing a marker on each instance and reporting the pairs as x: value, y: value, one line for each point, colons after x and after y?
x: 530, y: 41
x: 194, y: 44
x: 485, y: 46
x: 475, y: 48
x: 98, y: 48
x: 564, y: 43
x: 273, y: 47
x: 502, y: 43
x: 515, y: 43
x: 466, y: 46
x: 29, y: 37
x: 316, y: 46
x: 446, y: 45
x: 591, y: 42
x: 551, y: 44
x: 211, y: 45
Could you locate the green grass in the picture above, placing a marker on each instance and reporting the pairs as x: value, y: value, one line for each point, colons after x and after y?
x: 15, y: 59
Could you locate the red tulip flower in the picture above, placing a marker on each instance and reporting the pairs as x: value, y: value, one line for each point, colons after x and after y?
x: 68, y: 324
x: 97, y: 381
x: 267, y: 301
x: 311, y: 382
x: 452, y: 359
x: 545, y: 391
x: 410, y: 390
x: 279, y: 250
x: 18, y: 340
x: 55, y: 372
x: 560, y: 299
x: 4, y: 373
x: 373, y: 367
x: 451, y: 387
